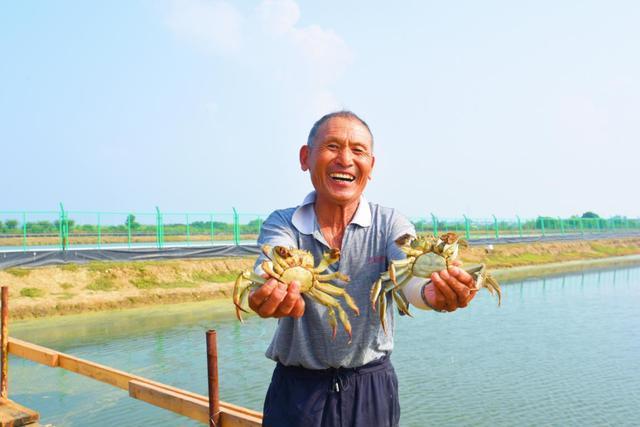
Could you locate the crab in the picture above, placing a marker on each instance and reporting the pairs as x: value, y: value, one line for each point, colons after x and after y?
x: 425, y: 255
x: 289, y: 264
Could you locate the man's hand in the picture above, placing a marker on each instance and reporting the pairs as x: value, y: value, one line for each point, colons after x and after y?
x: 450, y: 289
x: 274, y: 299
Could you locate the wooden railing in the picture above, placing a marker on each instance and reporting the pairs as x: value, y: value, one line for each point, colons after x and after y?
x: 192, y: 405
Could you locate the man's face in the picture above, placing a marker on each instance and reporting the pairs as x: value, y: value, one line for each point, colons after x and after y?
x: 340, y: 160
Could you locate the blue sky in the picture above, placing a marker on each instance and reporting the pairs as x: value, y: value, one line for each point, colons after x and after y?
x: 477, y: 108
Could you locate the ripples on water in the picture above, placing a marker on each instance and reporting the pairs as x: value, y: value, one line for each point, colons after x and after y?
x: 560, y: 351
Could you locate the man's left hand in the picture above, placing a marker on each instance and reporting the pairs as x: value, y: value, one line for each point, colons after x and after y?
x: 450, y: 289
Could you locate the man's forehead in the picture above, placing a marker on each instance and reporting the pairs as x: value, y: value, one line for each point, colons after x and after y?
x: 344, y: 129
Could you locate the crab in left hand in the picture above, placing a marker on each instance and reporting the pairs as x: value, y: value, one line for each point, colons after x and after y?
x: 289, y: 264
x: 425, y: 255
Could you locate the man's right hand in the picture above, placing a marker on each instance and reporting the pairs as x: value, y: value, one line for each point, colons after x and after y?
x: 274, y: 299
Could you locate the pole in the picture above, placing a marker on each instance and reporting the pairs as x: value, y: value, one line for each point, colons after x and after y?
x: 212, y: 370
x: 495, y: 227
x: 5, y: 343
x: 434, y: 222
x: 236, y: 227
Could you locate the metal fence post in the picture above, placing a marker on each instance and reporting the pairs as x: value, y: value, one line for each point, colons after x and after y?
x: 542, y: 225
x: 561, y: 225
x: 434, y: 222
x: 211, y: 224
x: 236, y: 227
x: 467, y: 227
x: 495, y: 226
x: 519, y: 225
x: 159, y: 229
x: 64, y: 229
x: 129, y: 221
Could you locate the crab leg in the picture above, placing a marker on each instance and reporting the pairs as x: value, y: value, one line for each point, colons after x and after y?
x: 330, y: 301
x: 402, y: 305
x: 244, y: 282
x: 333, y: 322
x: 328, y: 258
x: 393, y: 273
x: 334, y: 290
x: 268, y: 268
x: 333, y: 276
x: 382, y: 301
x: 375, y: 293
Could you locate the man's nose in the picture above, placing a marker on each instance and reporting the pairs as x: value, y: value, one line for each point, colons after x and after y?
x: 345, y: 157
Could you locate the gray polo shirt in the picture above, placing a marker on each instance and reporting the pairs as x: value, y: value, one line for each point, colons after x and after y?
x: 367, y: 247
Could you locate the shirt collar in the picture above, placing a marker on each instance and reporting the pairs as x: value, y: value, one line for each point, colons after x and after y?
x: 304, y: 217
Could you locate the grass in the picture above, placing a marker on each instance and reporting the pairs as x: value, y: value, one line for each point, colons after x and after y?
x: 148, y: 282
x: 66, y: 286
x: 69, y: 267
x: 205, y: 276
x: 64, y: 295
x: 613, y: 250
x: 32, y: 292
x: 18, y: 272
x: 99, y: 266
x: 102, y: 284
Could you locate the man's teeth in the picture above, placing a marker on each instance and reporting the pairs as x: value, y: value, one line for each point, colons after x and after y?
x: 342, y: 176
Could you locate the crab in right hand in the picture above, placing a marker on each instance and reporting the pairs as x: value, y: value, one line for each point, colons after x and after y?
x: 289, y: 264
x: 425, y: 255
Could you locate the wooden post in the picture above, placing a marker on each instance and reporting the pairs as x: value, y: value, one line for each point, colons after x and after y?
x: 5, y: 343
x: 212, y: 369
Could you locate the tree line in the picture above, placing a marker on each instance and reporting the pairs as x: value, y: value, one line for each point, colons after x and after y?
x: 12, y: 226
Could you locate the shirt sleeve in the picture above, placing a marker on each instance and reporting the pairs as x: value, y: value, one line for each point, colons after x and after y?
x: 276, y: 231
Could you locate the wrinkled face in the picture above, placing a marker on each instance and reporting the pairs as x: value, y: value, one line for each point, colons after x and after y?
x: 340, y: 160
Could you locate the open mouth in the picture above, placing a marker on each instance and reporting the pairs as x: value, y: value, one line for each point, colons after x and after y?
x: 342, y: 177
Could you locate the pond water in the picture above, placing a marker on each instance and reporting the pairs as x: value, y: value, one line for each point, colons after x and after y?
x: 560, y: 351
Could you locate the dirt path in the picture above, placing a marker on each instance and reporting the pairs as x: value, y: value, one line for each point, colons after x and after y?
x: 97, y: 286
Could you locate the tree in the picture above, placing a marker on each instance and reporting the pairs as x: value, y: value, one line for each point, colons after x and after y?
x: 131, y: 222
x: 590, y: 214
x: 11, y: 224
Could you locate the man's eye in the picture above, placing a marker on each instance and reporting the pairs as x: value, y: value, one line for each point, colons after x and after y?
x: 333, y: 146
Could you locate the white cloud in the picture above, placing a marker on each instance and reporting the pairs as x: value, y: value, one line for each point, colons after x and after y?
x: 278, y: 16
x: 270, y: 41
x: 214, y: 25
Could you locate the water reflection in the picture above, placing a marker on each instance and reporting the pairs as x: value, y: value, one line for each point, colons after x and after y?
x: 560, y: 351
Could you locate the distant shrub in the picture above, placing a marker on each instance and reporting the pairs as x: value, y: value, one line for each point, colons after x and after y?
x: 18, y: 272
x: 32, y: 292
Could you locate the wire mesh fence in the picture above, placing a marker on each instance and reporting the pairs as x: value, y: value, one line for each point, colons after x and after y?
x: 64, y: 230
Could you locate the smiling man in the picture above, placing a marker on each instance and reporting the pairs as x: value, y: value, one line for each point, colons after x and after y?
x: 320, y: 380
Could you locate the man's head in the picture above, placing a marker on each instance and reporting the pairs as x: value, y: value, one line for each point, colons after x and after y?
x: 339, y: 157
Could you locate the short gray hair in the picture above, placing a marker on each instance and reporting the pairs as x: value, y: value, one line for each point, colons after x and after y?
x: 342, y: 113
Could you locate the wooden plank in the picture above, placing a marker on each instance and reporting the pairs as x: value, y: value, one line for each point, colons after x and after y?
x: 96, y: 371
x: 170, y: 400
x: 189, y: 407
x: 230, y: 408
x: 14, y: 415
x: 231, y: 418
x: 233, y: 414
x: 33, y: 352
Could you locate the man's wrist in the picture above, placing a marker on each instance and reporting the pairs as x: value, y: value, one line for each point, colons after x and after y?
x: 423, y: 294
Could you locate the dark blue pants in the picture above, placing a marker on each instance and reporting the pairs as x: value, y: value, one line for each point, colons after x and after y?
x: 365, y: 396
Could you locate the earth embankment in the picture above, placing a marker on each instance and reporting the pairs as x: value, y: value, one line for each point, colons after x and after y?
x: 75, y: 288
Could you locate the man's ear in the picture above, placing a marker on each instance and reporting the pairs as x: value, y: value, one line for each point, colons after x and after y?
x: 304, y: 157
x: 373, y: 162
